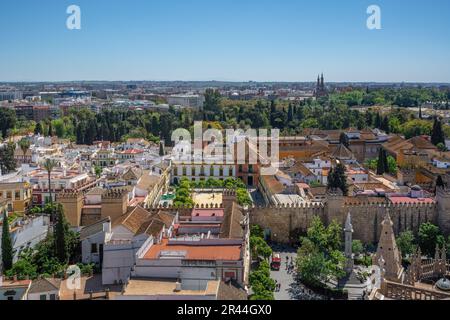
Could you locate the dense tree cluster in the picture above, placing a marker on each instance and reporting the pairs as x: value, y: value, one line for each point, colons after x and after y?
x: 427, y: 238
x: 327, y: 113
x: 384, y: 164
x: 337, y: 179
x: 262, y: 285
x: 320, y: 257
x: 7, y: 121
x: 7, y: 161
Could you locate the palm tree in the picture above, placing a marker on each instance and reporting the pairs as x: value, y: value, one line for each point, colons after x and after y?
x: 24, y: 145
x: 49, y: 165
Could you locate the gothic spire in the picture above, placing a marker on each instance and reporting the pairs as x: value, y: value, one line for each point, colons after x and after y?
x: 387, y: 248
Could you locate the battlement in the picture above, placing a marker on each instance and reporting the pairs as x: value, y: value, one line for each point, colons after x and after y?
x: 368, y: 205
x: 114, y: 194
x: 229, y: 193
x: 69, y: 194
x: 188, y: 206
x: 291, y: 206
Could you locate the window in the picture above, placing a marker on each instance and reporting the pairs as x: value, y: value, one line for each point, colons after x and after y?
x: 17, y: 195
x: 8, y: 194
x: 93, y: 248
x: 43, y: 297
x: 53, y: 296
x: 240, y: 168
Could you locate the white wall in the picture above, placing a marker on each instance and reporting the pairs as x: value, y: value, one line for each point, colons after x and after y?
x: 37, y: 296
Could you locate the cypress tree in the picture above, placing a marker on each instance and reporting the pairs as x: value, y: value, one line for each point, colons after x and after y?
x: 440, y: 182
x: 290, y: 113
x: 161, y: 149
x: 343, y: 139
x: 38, y: 128
x: 380, y: 165
x: 385, y: 124
x: 61, y: 230
x: 378, y: 121
x: 7, y: 249
x: 337, y: 179
x: 385, y: 161
x: 341, y: 178
x: 437, y: 134
x: 50, y: 129
x: 273, y: 110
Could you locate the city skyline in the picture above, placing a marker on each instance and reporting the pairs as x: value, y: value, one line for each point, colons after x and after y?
x: 225, y: 41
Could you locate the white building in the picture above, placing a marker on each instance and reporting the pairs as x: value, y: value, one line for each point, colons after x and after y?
x: 93, y: 239
x: 441, y: 163
x: 27, y: 233
x: 44, y: 289
x: 128, y: 234
x: 187, y: 100
x: 202, y: 171
x: 10, y: 95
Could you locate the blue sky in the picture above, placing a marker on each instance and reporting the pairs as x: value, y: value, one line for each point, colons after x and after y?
x: 236, y: 40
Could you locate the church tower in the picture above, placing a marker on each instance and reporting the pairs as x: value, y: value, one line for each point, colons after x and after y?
x: 320, y: 87
x: 388, y: 250
x: 348, y: 244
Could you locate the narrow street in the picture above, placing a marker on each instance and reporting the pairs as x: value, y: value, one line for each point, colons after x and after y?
x: 290, y: 288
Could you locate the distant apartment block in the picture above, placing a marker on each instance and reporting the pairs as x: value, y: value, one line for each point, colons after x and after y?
x: 10, y: 95
x: 36, y: 112
x: 186, y: 100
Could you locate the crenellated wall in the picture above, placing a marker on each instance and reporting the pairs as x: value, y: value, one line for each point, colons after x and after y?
x: 283, y: 221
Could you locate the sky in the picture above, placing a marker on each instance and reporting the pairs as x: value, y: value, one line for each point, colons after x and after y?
x: 225, y: 40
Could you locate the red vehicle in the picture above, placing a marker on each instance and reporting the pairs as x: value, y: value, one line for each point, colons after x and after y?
x: 276, y: 262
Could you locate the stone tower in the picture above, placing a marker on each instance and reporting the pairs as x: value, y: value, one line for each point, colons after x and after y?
x: 72, y: 203
x: 228, y: 197
x: 443, y: 207
x: 334, y: 205
x: 114, y: 203
x: 348, y: 244
x: 388, y: 251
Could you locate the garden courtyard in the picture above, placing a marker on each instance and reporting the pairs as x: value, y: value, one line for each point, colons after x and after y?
x: 207, y: 198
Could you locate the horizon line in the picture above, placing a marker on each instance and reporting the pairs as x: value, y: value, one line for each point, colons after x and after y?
x: 227, y: 81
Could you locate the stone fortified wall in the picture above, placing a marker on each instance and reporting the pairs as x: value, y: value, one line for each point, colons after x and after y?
x: 285, y: 222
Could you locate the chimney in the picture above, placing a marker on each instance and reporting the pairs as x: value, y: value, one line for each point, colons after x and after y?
x: 178, y: 286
